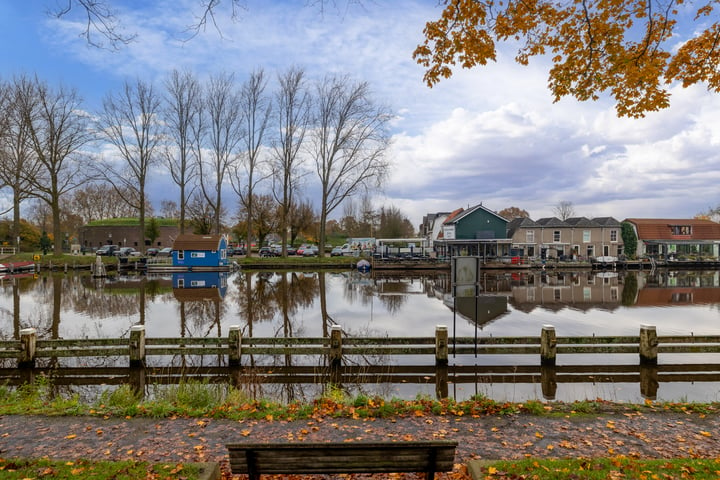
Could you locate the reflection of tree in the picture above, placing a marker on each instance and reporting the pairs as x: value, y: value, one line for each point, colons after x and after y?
x: 200, y: 316
x: 630, y: 288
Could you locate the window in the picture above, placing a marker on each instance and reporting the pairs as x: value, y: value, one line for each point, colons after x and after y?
x: 586, y: 236
x: 613, y: 235
x: 181, y: 255
x: 681, y: 229
x: 557, y: 294
x: 197, y: 254
x: 530, y: 236
x: 556, y: 236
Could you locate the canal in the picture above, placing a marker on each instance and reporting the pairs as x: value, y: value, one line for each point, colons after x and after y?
x: 291, y: 304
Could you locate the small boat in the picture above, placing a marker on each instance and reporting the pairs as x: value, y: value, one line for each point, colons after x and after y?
x: 363, y: 266
x: 17, y: 267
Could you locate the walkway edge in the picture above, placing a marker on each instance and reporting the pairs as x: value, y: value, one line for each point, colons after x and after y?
x: 475, y: 468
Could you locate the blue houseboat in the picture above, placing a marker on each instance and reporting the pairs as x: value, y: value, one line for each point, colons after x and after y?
x: 200, y: 252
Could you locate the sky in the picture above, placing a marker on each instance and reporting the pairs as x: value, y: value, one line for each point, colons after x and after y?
x: 489, y: 135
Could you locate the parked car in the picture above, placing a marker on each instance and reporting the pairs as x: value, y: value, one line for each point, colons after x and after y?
x: 165, y: 252
x: 239, y: 251
x: 336, y: 252
x: 107, y: 250
x: 152, y: 251
x: 126, y: 252
x: 310, y: 251
x: 267, y: 252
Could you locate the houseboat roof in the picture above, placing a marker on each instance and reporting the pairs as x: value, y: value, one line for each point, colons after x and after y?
x: 197, y: 242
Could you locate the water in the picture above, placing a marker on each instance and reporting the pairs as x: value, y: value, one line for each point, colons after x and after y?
x: 280, y: 304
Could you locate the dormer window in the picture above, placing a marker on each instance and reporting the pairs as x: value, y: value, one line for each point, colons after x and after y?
x: 681, y: 229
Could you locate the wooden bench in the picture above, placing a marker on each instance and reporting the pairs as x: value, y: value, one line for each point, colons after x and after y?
x: 255, y: 459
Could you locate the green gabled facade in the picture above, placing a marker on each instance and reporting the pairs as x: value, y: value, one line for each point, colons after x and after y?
x: 475, y: 223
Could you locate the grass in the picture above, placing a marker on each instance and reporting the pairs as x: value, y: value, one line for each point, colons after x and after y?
x: 603, y: 468
x: 20, y: 469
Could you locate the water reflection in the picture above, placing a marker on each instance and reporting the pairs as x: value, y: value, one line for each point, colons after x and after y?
x: 308, y: 304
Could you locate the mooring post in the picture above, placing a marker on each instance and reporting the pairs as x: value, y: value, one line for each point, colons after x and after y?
x: 548, y: 381
x: 234, y: 339
x: 335, y: 346
x: 548, y: 345
x: 28, y: 342
x: 441, y: 345
x: 137, y: 346
x: 648, y: 345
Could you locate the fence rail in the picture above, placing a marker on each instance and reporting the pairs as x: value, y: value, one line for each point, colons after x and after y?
x: 337, y: 348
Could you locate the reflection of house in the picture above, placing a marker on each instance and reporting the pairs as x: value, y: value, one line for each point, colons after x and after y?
x: 480, y: 310
x: 573, y: 237
x: 196, y: 286
x: 663, y: 237
x: 473, y: 231
x: 576, y: 290
x: 200, y: 251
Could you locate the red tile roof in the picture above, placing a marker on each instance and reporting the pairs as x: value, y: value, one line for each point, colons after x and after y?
x: 661, y: 228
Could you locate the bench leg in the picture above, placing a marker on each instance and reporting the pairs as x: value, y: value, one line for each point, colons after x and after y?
x: 253, y: 473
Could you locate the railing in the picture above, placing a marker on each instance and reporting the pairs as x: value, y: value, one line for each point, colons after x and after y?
x: 7, y: 250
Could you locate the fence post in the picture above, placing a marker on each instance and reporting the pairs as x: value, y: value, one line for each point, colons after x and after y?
x: 28, y: 342
x: 137, y: 346
x: 336, y: 346
x: 548, y: 381
x: 441, y: 345
x: 234, y: 340
x: 648, y: 345
x: 548, y: 345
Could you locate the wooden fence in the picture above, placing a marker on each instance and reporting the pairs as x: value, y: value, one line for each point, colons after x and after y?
x: 338, y: 359
x: 235, y: 348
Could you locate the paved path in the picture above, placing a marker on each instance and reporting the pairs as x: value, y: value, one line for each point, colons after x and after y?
x: 657, y: 435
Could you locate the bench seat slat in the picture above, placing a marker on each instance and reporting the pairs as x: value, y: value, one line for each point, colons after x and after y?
x: 356, y: 457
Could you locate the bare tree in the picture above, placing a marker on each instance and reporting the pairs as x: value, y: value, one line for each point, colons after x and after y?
x: 302, y: 220
x: 182, y: 112
x: 18, y: 162
x: 129, y: 121
x: 293, y: 115
x: 57, y: 129
x: 564, y: 209
x: 224, y: 132
x: 349, y: 142
x: 256, y: 110
x: 169, y: 209
x: 97, y: 201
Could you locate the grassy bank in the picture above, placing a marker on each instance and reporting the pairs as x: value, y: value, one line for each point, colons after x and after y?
x: 194, y: 399
x: 59, y: 261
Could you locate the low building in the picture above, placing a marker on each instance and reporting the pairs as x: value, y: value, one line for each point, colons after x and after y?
x: 200, y: 251
x: 666, y: 238
x: 96, y: 234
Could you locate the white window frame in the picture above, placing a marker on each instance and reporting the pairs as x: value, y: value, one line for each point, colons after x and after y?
x: 587, y: 236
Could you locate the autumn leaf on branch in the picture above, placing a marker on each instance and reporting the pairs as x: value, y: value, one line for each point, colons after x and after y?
x: 633, y: 50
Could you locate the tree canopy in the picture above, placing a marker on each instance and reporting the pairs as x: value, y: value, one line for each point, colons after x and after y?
x: 634, y: 50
